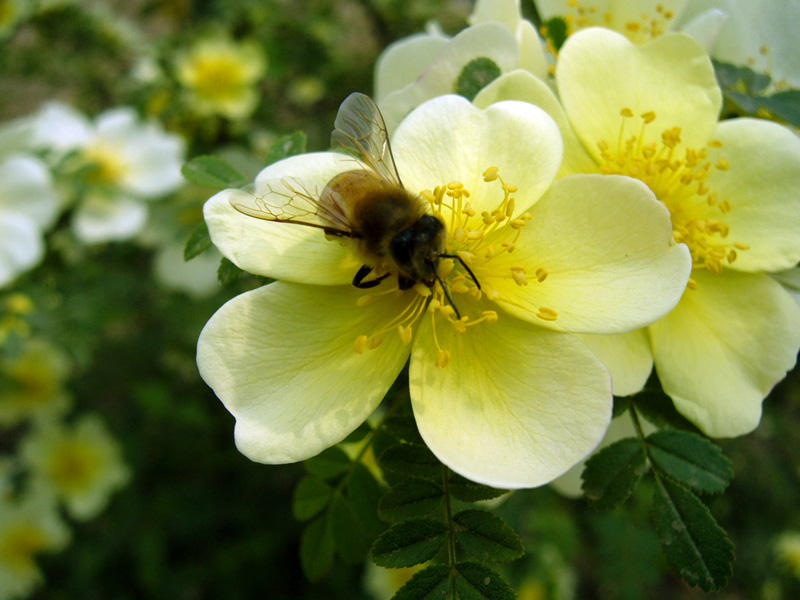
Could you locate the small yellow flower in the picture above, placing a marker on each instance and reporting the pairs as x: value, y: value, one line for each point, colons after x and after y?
x: 81, y: 464
x: 32, y: 384
x: 220, y: 76
x: 28, y: 526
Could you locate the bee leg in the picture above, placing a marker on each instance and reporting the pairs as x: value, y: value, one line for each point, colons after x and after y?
x: 358, y: 280
x: 463, y: 264
x: 405, y: 283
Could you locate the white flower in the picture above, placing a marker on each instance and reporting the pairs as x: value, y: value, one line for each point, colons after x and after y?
x: 504, y: 395
x: 28, y: 526
x: 424, y: 66
x: 28, y: 205
x: 81, y: 464
x: 127, y: 163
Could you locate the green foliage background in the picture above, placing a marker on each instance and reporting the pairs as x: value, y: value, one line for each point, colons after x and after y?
x: 199, y: 520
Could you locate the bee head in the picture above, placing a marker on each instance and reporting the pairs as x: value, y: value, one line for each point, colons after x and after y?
x: 416, y: 249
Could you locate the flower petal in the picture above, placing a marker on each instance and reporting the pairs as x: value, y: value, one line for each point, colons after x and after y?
x: 626, y: 355
x: 762, y: 184
x: 99, y: 219
x: 724, y: 347
x: 280, y: 250
x: 490, y: 40
x: 21, y: 245
x: 521, y: 85
x: 282, y: 360
x: 607, y: 246
x: 26, y: 186
x: 403, y: 61
x: 516, y: 407
x: 449, y: 139
x: 600, y: 72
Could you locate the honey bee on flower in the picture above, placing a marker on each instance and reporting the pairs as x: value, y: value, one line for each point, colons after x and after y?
x: 502, y: 392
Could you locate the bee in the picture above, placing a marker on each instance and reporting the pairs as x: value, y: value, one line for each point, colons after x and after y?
x: 387, y: 226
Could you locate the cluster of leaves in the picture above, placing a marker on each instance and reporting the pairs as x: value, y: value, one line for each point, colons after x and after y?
x: 419, y: 512
x: 747, y: 93
x: 683, y: 464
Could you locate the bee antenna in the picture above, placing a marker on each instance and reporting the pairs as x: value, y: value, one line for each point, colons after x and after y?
x: 466, y: 268
x: 447, y: 295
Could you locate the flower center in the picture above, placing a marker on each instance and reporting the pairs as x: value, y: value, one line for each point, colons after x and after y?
x: 648, y: 26
x: 218, y: 78
x: 680, y: 182
x: 474, y: 242
x: 19, y: 544
x: 108, y: 166
x: 73, y: 467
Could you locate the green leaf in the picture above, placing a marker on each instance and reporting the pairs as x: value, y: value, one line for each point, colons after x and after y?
x: 403, y: 428
x: 359, y: 434
x: 213, y: 172
x: 410, y: 498
x: 228, y: 272
x: 557, y: 31
x: 317, y: 549
x: 477, y: 582
x: 286, y: 146
x: 697, y: 548
x: 365, y: 493
x: 432, y: 583
x: 329, y: 463
x: 411, y: 460
x: 620, y: 406
x: 691, y: 459
x: 310, y: 496
x: 465, y: 490
x: 657, y: 407
x: 409, y: 543
x: 785, y: 105
x: 476, y: 75
x: 487, y: 537
x: 348, y: 533
x: 199, y: 241
x: 612, y: 474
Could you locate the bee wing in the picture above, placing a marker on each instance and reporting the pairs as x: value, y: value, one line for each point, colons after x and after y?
x: 289, y: 200
x: 359, y: 129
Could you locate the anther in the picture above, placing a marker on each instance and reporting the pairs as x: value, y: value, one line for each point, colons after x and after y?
x: 490, y: 174
x: 365, y: 300
x: 442, y: 358
x: 547, y: 314
x: 649, y: 116
x: 626, y: 112
x: 691, y: 284
x: 405, y: 333
x: 361, y: 344
x: 375, y: 342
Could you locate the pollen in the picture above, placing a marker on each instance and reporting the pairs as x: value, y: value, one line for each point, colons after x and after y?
x: 681, y: 178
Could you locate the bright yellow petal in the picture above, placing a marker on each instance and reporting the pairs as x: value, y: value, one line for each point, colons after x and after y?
x: 449, y: 139
x: 521, y: 85
x: 282, y: 359
x: 724, y: 347
x: 606, y: 244
x: 762, y: 184
x: 280, y: 250
x: 626, y: 355
x: 600, y: 72
x: 516, y: 407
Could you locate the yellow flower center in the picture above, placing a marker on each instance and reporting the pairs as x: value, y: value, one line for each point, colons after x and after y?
x: 218, y: 78
x: 680, y: 182
x: 19, y: 544
x: 108, y: 165
x: 73, y: 466
x: 477, y: 240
